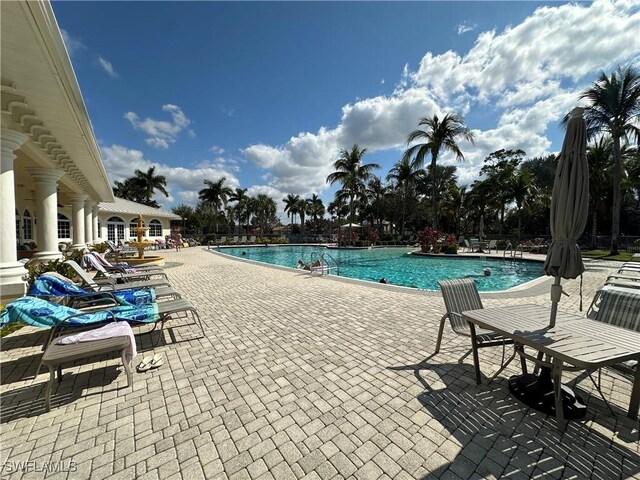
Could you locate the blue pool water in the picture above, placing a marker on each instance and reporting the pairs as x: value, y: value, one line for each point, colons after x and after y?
x: 399, y: 268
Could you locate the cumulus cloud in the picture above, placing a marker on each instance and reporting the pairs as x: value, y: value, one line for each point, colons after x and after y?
x: 183, y: 184
x: 161, y: 133
x: 107, y: 66
x: 217, y: 149
x: 527, y: 76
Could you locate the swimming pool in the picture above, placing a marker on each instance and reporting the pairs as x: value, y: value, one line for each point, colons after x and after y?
x: 399, y: 268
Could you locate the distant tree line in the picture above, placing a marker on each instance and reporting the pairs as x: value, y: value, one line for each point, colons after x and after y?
x: 512, y: 195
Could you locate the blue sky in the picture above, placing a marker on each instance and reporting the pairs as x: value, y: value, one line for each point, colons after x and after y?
x: 267, y: 93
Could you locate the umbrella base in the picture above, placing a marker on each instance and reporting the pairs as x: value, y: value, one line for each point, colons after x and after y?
x: 537, y: 392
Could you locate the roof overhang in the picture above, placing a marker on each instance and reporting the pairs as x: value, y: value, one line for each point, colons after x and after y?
x: 41, y: 97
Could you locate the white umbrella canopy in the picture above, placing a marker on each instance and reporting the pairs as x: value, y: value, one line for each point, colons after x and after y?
x: 569, y: 208
x: 350, y: 225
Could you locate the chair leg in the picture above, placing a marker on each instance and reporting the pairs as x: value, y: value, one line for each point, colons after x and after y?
x: 474, y: 347
x: 47, y: 390
x: 440, y: 332
x: 127, y: 367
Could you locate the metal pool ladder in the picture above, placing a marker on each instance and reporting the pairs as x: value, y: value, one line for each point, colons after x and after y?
x: 326, y: 261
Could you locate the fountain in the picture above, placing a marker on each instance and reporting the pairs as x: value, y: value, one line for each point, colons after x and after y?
x: 140, y: 245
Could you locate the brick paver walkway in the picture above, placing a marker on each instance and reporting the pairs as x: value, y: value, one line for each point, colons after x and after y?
x: 304, y: 377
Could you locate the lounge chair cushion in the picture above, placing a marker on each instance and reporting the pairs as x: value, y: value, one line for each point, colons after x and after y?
x: 41, y: 313
x: 50, y: 286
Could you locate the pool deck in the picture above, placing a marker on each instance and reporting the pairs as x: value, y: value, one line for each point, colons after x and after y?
x: 302, y: 376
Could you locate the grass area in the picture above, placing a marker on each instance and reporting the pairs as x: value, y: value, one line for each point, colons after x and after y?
x: 604, y: 255
x: 7, y: 329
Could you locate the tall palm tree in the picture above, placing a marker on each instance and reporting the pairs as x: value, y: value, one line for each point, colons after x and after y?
x: 615, y: 108
x: 265, y: 211
x: 375, y: 192
x: 352, y: 174
x: 216, y: 194
x: 291, y: 206
x: 315, y: 208
x: 437, y: 135
x: 301, y: 209
x: 149, y: 182
x: 523, y: 192
x: 404, y: 174
x: 599, y: 156
x: 241, y: 198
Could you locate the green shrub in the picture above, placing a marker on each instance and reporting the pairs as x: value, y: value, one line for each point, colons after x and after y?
x: 501, y: 244
x: 35, y: 270
x: 450, y: 249
x: 209, y: 237
x: 99, y: 247
x: 75, y: 255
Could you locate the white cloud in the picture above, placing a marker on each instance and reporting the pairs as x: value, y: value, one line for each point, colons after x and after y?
x: 107, y: 67
x: 465, y: 27
x: 183, y: 184
x: 528, y: 75
x: 74, y: 45
x: 217, y: 149
x: 161, y: 132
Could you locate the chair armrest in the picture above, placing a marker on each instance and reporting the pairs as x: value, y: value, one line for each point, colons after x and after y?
x: 93, y: 300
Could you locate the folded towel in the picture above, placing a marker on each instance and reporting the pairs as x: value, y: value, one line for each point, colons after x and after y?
x: 110, y: 330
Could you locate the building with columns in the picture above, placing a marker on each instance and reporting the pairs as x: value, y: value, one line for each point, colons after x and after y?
x: 53, y: 182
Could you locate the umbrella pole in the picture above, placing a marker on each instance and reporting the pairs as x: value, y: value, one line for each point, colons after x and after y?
x: 556, y: 292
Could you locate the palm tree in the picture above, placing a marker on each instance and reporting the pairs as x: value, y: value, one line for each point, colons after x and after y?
x: 437, y: 136
x: 300, y: 208
x: 264, y: 209
x: 599, y: 156
x: 523, y: 192
x: 375, y: 192
x: 216, y: 194
x: 241, y: 198
x: 315, y: 208
x: 149, y: 182
x: 291, y: 206
x: 404, y: 175
x: 185, y: 212
x: 615, y: 108
x: 352, y: 174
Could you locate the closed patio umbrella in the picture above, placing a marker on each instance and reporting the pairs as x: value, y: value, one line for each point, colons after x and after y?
x: 481, y: 228
x: 569, y: 208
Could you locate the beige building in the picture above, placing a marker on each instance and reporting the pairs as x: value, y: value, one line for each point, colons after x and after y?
x: 53, y: 184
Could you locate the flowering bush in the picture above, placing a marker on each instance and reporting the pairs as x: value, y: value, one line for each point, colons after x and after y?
x: 434, y: 241
x: 373, y: 236
x: 428, y: 240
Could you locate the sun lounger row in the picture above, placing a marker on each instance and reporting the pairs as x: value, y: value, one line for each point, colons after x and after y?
x: 237, y: 239
x: 96, y: 316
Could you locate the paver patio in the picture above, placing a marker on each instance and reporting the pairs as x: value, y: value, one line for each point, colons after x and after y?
x: 305, y: 377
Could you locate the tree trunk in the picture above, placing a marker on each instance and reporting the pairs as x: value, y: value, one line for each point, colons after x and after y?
x: 519, y: 224
x: 594, y: 227
x: 350, y: 218
x: 434, y: 189
x: 617, y: 194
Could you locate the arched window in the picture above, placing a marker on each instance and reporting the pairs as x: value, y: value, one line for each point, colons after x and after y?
x: 115, y: 229
x: 155, y: 228
x: 64, y: 227
x: 27, y: 226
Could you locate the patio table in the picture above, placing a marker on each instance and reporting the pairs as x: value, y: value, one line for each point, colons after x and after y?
x: 579, y: 342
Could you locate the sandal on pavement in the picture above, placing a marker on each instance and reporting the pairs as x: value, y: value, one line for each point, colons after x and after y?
x: 145, y: 364
x: 156, y: 361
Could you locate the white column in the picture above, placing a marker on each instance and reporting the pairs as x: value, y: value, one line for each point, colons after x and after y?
x: 77, y: 217
x: 46, y: 180
x: 11, y: 271
x: 88, y: 222
x: 94, y: 213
